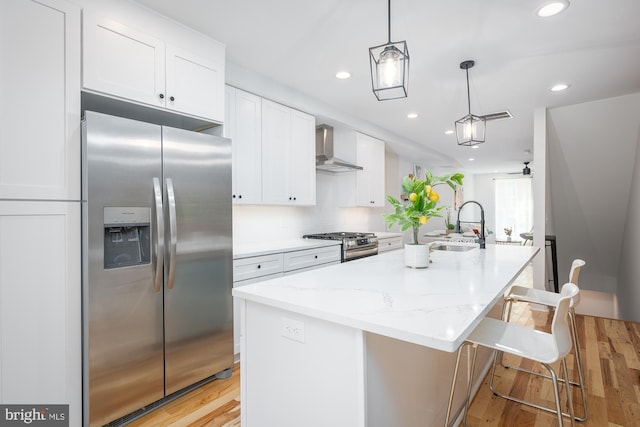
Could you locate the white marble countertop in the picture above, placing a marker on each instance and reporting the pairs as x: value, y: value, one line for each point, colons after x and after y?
x: 246, y: 250
x: 436, y: 307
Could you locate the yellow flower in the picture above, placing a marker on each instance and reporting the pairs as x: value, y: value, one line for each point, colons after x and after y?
x: 413, y: 197
x: 427, y: 189
x: 423, y: 220
x: 434, y: 197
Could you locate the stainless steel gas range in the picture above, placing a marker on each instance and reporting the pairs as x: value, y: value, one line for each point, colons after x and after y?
x: 354, y: 245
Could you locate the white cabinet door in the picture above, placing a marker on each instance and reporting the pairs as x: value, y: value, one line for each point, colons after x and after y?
x: 122, y: 61
x: 276, y: 138
x: 40, y: 109
x: 245, y: 115
x: 40, y: 304
x: 302, y: 179
x: 194, y: 84
x: 288, y: 156
x: 370, y: 180
x: 140, y: 66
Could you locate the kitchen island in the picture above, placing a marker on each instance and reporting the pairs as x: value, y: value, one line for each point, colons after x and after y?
x: 369, y: 342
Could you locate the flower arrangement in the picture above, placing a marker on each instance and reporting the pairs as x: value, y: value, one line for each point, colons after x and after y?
x: 422, y: 201
x: 508, y: 231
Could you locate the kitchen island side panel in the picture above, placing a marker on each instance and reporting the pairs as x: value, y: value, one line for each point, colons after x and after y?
x: 314, y: 377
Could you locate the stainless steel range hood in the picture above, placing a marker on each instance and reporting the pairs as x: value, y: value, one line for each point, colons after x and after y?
x: 324, y: 152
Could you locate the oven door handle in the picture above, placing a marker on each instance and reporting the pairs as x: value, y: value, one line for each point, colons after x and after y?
x: 360, y: 252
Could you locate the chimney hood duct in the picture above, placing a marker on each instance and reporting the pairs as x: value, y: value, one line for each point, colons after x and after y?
x: 324, y: 153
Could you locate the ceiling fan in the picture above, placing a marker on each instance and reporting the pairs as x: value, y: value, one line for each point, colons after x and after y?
x: 526, y: 171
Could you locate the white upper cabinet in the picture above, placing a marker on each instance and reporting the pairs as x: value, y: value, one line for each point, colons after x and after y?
x: 121, y: 61
x: 302, y: 180
x: 288, y: 156
x: 152, y: 61
x: 364, y: 187
x: 243, y: 125
x: 370, y: 180
x: 194, y: 84
x: 40, y: 112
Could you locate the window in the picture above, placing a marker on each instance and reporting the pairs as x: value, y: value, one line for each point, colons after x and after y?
x: 514, y: 206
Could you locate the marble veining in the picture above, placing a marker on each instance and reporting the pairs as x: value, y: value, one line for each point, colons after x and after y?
x: 436, y: 307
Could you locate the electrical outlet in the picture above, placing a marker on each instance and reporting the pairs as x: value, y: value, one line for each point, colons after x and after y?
x: 292, y: 329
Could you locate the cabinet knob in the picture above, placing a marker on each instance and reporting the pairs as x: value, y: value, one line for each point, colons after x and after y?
x: 289, y: 198
x: 294, y: 198
x: 233, y: 196
x: 240, y: 196
x: 259, y: 266
x: 171, y: 98
x: 161, y: 96
x: 316, y: 256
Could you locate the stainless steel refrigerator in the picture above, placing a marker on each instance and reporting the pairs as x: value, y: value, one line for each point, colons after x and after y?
x: 157, y: 263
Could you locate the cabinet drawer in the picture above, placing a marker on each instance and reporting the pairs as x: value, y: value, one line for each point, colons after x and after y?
x: 248, y: 268
x: 389, y: 244
x: 310, y: 257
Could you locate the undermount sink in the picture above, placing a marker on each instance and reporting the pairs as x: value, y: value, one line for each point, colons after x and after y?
x: 454, y: 248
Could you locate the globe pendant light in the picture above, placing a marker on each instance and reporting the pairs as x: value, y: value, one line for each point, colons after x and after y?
x: 470, y: 129
x: 389, y: 68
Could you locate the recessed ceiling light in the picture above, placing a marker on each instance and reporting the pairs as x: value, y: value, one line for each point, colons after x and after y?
x: 342, y: 75
x: 559, y: 87
x: 552, y: 8
x: 471, y: 159
x: 448, y: 132
x: 412, y: 115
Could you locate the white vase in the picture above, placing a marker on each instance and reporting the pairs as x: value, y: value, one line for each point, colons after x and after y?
x: 416, y: 256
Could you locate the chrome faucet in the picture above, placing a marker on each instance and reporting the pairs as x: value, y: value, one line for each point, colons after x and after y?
x: 482, y: 237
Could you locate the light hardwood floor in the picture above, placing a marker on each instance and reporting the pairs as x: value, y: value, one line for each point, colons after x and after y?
x: 611, y: 358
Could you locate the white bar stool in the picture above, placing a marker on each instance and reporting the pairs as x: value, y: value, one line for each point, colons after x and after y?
x: 542, y: 347
x: 550, y: 299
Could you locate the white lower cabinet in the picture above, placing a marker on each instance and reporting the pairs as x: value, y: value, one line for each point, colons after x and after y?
x: 308, y: 259
x: 386, y: 244
x: 40, y: 305
x: 264, y: 267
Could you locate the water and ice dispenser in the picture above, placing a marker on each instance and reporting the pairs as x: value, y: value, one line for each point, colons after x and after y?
x: 127, y: 236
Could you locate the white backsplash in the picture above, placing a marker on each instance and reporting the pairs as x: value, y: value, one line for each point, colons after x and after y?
x: 263, y: 223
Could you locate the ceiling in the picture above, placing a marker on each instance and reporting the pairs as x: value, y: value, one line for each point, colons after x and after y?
x: 594, y: 46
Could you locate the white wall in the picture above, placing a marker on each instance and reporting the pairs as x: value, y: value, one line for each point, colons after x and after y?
x: 629, y: 269
x: 592, y: 157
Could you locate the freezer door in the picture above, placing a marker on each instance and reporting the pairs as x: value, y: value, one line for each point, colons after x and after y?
x: 198, y: 257
x: 122, y: 306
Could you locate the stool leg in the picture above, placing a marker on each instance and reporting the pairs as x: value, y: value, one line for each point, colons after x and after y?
x: 469, y: 381
x: 447, y: 420
x: 556, y: 393
x: 576, y: 349
x: 567, y: 387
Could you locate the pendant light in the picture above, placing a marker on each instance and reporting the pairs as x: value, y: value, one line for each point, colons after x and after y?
x: 389, y: 68
x: 470, y: 129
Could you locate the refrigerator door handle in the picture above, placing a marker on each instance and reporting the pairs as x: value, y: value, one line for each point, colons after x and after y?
x: 173, y: 233
x: 157, y: 193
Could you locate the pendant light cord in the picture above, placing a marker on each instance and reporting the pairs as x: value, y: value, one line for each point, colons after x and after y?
x: 468, y: 94
x: 389, y: 20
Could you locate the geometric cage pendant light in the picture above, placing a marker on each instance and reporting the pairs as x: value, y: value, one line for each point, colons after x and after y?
x: 389, y: 64
x: 470, y: 129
